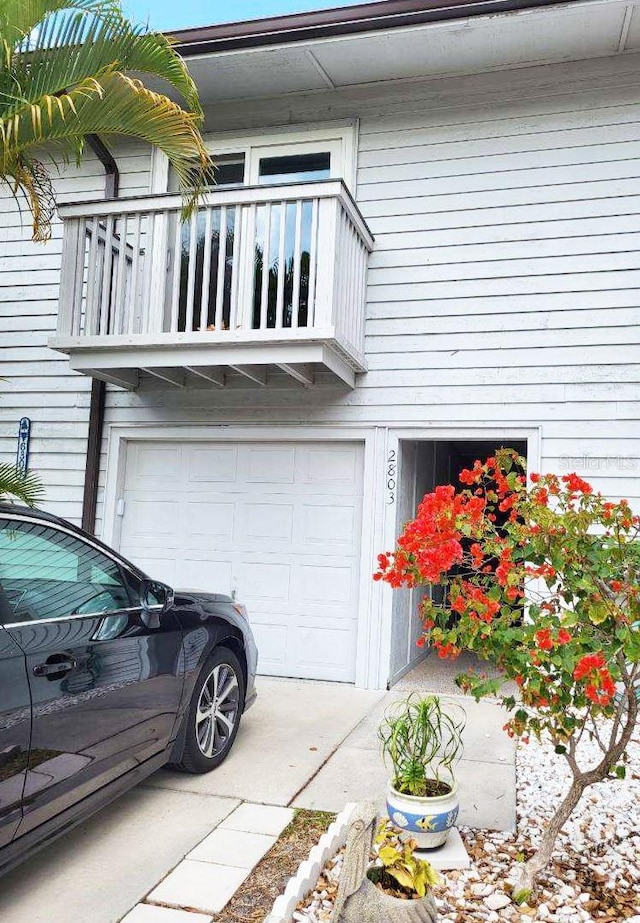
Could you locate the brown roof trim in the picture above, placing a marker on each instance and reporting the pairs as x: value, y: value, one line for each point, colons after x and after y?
x: 348, y: 20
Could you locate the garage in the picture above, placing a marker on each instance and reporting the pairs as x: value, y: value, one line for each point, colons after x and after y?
x: 277, y: 524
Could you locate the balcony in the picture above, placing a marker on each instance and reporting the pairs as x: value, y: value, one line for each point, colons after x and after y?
x: 259, y: 279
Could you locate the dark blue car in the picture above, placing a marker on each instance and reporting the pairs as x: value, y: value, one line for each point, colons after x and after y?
x: 105, y: 675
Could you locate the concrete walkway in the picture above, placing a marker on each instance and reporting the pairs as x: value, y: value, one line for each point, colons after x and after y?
x: 304, y: 744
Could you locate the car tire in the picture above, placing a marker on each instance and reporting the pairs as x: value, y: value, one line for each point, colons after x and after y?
x: 214, y: 713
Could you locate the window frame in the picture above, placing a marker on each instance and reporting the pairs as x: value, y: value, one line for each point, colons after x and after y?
x: 127, y: 573
x: 339, y: 137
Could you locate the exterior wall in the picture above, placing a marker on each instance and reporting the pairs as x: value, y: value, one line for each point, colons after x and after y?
x: 506, y: 216
x: 37, y: 381
x: 502, y: 298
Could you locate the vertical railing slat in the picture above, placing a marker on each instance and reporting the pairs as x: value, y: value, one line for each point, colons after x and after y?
x: 135, y: 268
x: 266, y: 259
x: 105, y: 301
x: 281, y: 266
x: 313, y: 264
x: 177, y: 271
x: 91, y: 307
x: 222, y: 266
x: 240, y: 222
x: 191, y: 273
x: 297, y: 266
x: 118, y: 307
x: 206, y: 270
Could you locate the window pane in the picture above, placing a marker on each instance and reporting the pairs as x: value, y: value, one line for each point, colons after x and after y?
x: 295, y: 168
x: 228, y: 170
x: 45, y: 573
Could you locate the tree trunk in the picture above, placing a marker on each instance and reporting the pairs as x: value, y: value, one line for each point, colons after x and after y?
x: 526, y: 881
x: 525, y: 885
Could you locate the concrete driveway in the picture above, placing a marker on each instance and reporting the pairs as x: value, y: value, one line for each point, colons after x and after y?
x: 97, y: 872
x: 304, y: 744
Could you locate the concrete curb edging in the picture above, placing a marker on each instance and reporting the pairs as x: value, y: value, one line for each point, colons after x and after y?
x: 309, y: 871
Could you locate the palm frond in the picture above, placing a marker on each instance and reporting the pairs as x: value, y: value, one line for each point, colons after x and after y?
x: 92, y: 42
x: 112, y: 104
x: 66, y: 71
x: 19, y: 18
x: 13, y: 485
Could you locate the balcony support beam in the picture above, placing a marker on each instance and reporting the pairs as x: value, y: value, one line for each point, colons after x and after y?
x: 213, y: 375
x: 255, y: 373
x: 122, y: 378
x: 173, y: 377
x: 301, y: 373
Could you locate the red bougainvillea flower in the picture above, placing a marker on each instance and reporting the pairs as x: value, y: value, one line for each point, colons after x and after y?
x: 544, y: 640
x: 588, y: 664
x: 576, y: 484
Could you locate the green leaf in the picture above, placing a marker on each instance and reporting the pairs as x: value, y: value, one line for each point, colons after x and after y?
x: 620, y: 772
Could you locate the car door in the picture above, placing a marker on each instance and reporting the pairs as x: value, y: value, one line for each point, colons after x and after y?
x: 105, y: 678
x: 15, y: 730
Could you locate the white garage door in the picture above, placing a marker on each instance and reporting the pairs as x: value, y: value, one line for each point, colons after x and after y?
x: 279, y: 523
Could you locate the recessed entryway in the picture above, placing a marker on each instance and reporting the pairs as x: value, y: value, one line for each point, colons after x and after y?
x: 422, y: 465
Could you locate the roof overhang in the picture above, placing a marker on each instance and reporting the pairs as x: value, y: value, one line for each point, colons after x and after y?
x: 401, y: 39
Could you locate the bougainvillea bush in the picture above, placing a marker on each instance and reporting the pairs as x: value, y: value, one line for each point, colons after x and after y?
x: 540, y: 578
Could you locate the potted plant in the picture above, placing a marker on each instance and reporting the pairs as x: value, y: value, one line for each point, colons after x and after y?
x: 422, y: 742
x: 383, y: 881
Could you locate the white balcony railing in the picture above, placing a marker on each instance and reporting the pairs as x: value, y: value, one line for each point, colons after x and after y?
x: 254, y: 271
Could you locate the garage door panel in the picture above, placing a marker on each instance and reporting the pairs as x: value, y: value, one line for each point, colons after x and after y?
x: 330, y: 525
x: 212, y: 520
x: 269, y: 464
x: 265, y: 582
x: 329, y: 653
x: 316, y: 585
x: 277, y: 522
x: 265, y: 523
x: 163, y: 569
x: 194, y: 574
x: 332, y: 469
x: 150, y: 524
x: 152, y: 463
x: 271, y: 640
x: 207, y: 464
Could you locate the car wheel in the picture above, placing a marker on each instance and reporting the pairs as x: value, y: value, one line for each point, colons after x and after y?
x: 214, y: 713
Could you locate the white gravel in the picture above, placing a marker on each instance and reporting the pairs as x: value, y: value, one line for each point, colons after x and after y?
x: 595, y: 872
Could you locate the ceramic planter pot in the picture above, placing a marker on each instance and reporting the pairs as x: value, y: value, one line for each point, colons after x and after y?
x: 426, y: 820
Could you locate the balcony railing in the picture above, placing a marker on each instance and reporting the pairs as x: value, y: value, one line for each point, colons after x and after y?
x: 258, y: 276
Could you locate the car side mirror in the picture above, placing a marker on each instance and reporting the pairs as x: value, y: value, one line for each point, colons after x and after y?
x: 155, y: 597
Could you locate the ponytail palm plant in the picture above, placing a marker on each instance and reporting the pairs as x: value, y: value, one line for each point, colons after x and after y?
x: 73, y: 68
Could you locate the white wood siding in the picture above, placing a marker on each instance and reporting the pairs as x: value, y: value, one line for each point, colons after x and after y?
x: 37, y: 381
x: 503, y: 288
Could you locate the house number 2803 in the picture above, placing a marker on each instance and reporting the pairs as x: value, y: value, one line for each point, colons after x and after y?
x: 392, y: 471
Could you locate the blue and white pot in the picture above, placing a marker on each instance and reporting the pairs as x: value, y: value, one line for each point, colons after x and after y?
x: 426, y: 820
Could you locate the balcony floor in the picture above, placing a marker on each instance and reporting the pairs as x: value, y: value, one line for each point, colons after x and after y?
x: 178, y: 359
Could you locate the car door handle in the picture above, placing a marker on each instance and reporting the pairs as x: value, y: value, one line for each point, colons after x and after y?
x: 55, y: 668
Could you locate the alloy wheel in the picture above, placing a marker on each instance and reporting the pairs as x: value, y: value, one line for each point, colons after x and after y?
x: 217, y: 710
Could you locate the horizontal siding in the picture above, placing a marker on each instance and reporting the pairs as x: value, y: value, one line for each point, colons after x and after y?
x: 37, y: 381
x: 504, y: 287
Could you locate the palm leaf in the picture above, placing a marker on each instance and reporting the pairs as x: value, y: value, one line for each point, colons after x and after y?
x: 91, y: 43
x: 65, y: 73
x: 14, y: 485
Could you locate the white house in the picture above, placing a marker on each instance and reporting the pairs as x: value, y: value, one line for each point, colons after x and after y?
x: 423, y: 244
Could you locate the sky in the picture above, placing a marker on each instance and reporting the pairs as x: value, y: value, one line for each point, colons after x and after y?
x: 180, y: 14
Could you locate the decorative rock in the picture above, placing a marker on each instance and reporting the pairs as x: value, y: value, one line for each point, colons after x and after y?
x: 497, y: 901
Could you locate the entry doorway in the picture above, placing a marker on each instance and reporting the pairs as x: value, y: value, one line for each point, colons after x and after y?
x: 422, y: 466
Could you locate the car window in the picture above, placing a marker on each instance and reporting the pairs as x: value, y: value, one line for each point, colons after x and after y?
x: 46, y: 573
